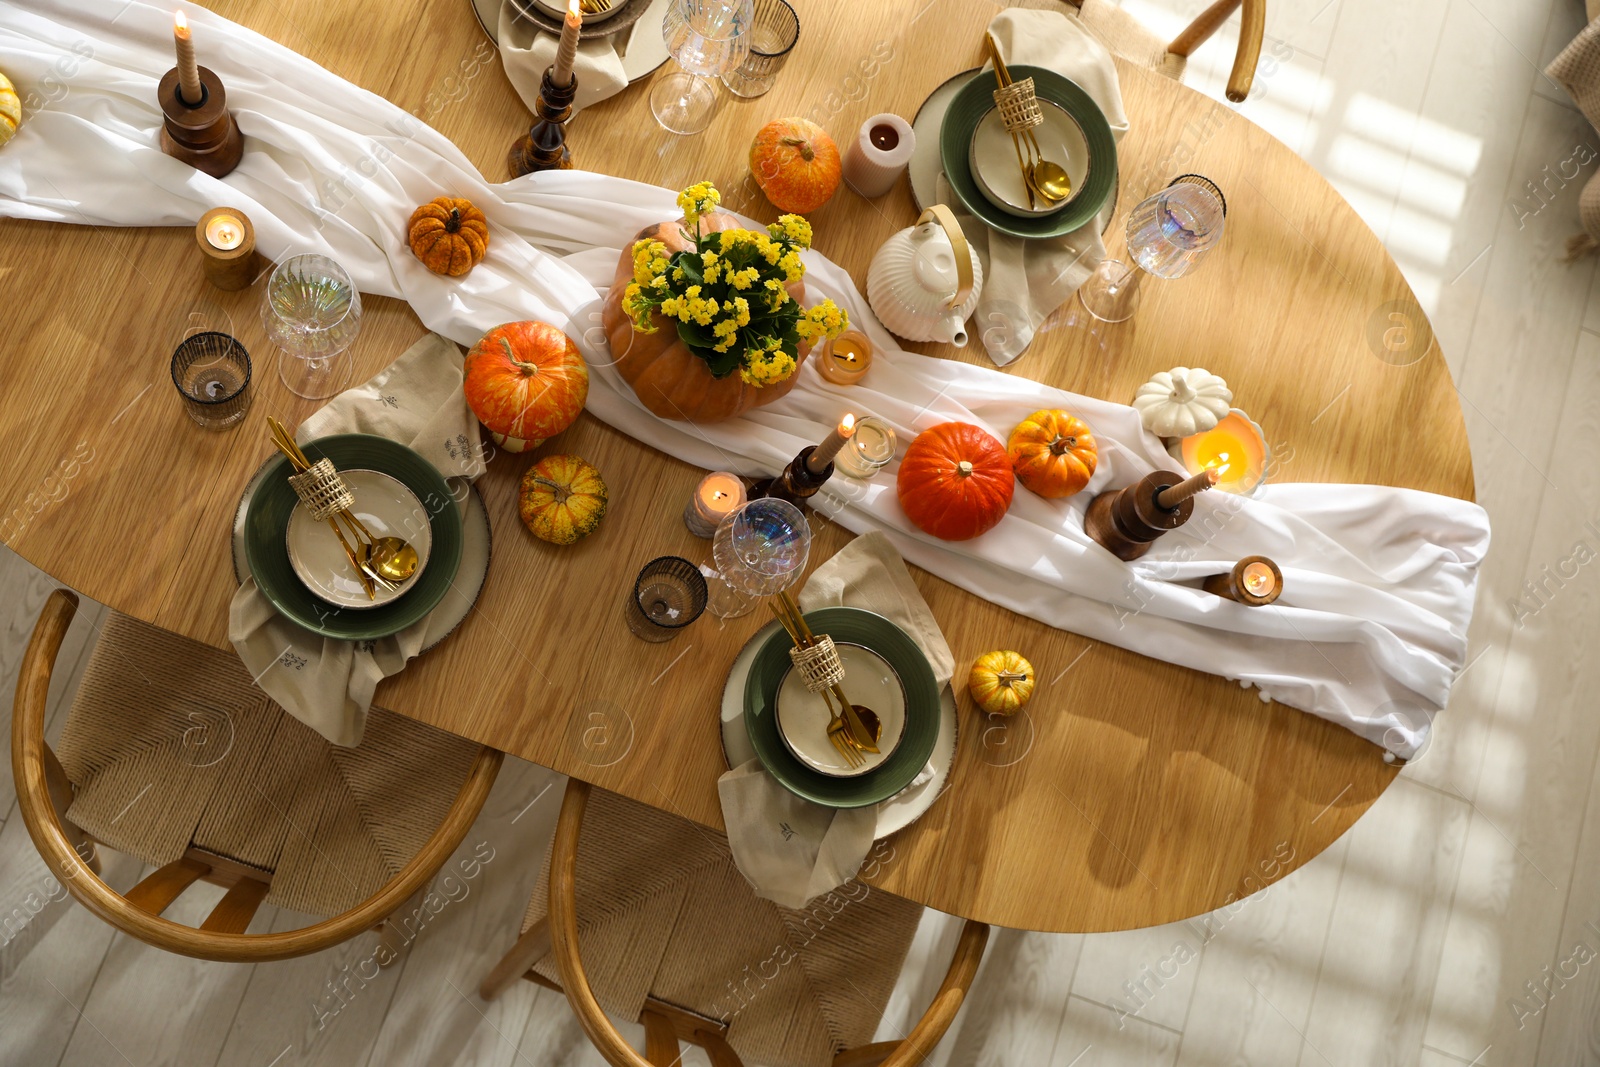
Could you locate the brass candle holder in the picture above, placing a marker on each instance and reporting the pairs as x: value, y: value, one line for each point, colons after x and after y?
x: 1255, y: 582
x: 227, y: 248
x: 544, y: 146
x: 203, y: 135
x: 1127, y: 521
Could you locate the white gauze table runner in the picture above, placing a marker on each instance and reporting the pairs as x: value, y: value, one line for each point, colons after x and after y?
x: 1378, y: 582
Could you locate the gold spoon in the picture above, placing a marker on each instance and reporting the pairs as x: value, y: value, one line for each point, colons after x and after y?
x: 393, y: 558
x: 1044, y: 176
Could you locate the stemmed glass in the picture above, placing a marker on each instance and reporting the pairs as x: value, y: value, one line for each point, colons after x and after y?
x: 312, y: 312
x: 707, y: 38
x: 759, y: 550
x: 1167, y: 235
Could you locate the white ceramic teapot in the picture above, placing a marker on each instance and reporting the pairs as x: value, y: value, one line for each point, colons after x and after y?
x: 925, y: 281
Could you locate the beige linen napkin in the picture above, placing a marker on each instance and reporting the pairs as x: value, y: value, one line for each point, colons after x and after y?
x: 789, y: 849
x: 1024, y: 281
x: 526, y: 51
x: 325, y: 682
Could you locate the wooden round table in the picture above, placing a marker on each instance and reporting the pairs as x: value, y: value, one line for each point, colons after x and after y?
x: 1131, y: 793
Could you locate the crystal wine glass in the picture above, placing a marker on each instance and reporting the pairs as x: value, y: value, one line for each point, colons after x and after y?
x: 760, y: 550
x: 707, y: 38
x: 312, y: 312
x: 1167, y: 235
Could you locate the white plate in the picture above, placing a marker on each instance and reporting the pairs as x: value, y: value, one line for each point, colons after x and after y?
x: 993, y: 159
x: 926, y: 165
x: 387, y: 509
x: 641, y: 47
x: 896, y: 813
x: 803, y: 716
x: 477, y: 546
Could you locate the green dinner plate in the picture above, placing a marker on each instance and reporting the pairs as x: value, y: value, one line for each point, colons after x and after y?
x: 268, y: 554
x: 976, y: 99
x: 922, y: 710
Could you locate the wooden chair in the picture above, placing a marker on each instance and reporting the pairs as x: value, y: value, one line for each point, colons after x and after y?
x: 1125, y: 36
x: 208, y: 815
x: 642, y: 872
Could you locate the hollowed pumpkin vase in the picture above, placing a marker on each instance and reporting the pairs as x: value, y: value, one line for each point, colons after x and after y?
x: 669, y: 379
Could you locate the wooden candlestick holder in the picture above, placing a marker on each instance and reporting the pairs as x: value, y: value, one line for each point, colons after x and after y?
x: 1233, y: 586
x: 204, y: 135
x: 797, y: 483
x: 1126, y: 521
x: 544, y: 146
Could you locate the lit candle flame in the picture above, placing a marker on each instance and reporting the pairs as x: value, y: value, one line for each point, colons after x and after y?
x: 847, y: 426
x: 180, y: 24
x: 573, y: 9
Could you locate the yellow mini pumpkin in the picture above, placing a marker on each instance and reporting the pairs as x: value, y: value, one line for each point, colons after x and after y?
x: 1001, y: 682
x: 10, y: 110
x: 449, y: 235
x: 562, y: 499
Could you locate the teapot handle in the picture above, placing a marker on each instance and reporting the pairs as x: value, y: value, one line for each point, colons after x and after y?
x: 958, y: 244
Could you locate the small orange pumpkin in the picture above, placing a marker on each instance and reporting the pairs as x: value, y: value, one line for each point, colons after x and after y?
x: 955, y: 481
x: 1001, y: 682
x: 526, y: 382
x: 449, y: 235
x: 796, y: 164
x: 1053, y: 453
x: 562, y: 499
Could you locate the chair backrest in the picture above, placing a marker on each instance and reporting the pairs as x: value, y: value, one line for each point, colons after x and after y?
x: 663, y: 1030
x: 44, y: 793
x: 1252, y: 28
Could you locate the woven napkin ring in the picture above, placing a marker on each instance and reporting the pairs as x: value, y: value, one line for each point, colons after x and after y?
x: 321, y: 490
x: 818, y: 665
x: 1019, y: 108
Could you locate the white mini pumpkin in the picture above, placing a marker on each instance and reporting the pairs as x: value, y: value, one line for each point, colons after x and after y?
x: 1182, y: 401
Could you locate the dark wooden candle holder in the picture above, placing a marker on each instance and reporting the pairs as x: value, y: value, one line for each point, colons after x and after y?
x: 1233, y: 586
x: 204, y: 135
x: 1126, y: 521
x: 797, y: 483
x: 544, y: 146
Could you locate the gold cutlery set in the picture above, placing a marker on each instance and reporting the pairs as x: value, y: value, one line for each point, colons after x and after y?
x: 853, y: 729
x: 1019, y: 111
x: 379, y: 562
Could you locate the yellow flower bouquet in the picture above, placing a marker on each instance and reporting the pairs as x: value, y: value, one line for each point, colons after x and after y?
x: 727, y: 293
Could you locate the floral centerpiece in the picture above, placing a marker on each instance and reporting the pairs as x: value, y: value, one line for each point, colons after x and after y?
x: 728, y: 298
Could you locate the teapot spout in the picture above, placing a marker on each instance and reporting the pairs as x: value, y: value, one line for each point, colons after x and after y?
x: 954, y: 330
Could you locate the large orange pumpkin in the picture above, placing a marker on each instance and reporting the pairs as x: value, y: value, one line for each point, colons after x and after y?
x: 526, y: 382
x: 796, y: 164
x: 955, y: 481
x: 1053, y: 453
x: 666, y: 376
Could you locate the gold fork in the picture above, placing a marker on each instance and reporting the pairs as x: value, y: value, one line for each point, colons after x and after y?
x: 838, y: 732
x: 300, y: 462
x: 594, y: 7
x: 1003, y: 77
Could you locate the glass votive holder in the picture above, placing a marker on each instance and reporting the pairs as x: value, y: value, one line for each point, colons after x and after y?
x: 774, y: 30
x: 212, y: 373
x: 869, y: 449
x: 668, y: 595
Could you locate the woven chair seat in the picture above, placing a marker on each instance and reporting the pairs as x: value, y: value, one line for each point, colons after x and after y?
x: 663, y: 913
x: 1129, y: 38
x: 171, y: 746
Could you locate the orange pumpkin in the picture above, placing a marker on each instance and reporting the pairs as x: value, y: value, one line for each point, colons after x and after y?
x: 1053, y: 453
x: 449, y: 235
x: 955, y: 482
x: 669, y: 380
x: 526, y: 382
x: 796, y: 164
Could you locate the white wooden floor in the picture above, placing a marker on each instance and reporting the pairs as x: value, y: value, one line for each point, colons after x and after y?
x: 1458, y: 923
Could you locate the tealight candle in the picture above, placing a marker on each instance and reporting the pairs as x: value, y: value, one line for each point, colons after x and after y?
x: 871, y: 447
x: 1235, y: 448
x: 227, y: 246
x: 846, y: 359
x: 715, y: 498
x: 1255, y: 581
x: 823, y: 454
